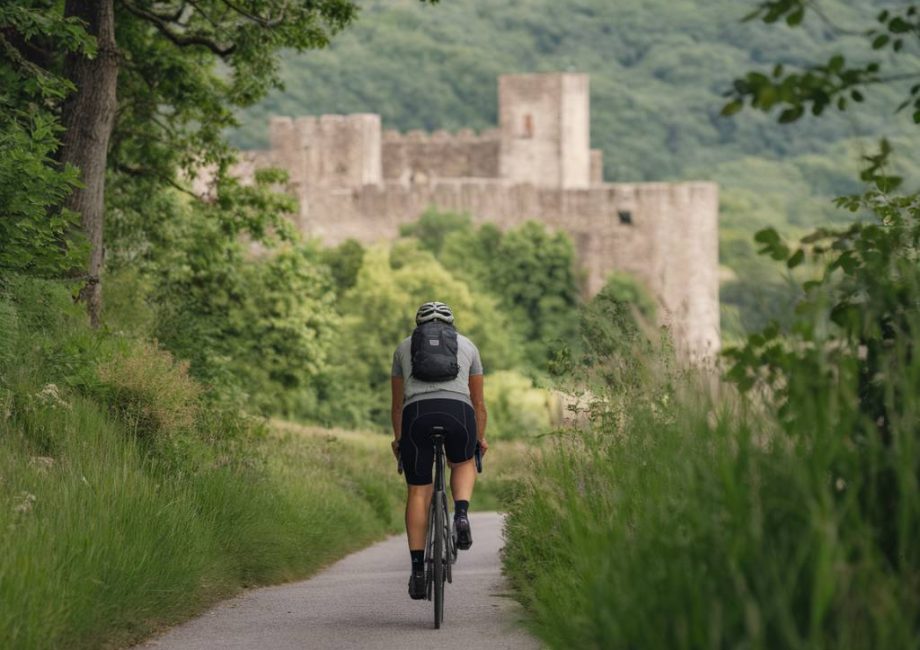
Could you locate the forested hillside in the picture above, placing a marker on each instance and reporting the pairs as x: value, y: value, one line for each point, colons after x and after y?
x: 659, y: 70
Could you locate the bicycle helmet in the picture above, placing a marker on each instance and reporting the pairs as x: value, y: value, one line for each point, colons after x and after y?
x: 434, y: 311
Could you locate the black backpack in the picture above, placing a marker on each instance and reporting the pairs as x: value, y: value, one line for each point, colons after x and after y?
x: 434, y: 352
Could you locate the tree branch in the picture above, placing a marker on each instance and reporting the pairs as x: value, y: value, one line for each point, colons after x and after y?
x: 174, y: 16
x: 177, y: 38
x: 826, y: 19
x: 260, y: 20
x: 206, y: 15
x: 141, y: 172
x: 34, y: 60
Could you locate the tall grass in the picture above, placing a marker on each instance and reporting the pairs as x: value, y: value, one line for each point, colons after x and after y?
x: 128, y: 502
x: 694, y: 527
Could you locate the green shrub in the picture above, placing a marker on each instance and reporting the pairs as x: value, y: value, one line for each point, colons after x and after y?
x: 517, y: 409
x: 150, y: 391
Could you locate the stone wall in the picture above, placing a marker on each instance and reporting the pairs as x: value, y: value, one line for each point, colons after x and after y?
x: 418, y: 157
x: 664, y: 234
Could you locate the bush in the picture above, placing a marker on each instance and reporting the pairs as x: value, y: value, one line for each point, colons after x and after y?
x: 151, y: 392
x: 517, y: 409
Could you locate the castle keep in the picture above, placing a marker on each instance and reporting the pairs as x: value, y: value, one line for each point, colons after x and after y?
x: 355, y: 180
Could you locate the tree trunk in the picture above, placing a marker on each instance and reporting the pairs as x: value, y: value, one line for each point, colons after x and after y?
x: 89, y: 116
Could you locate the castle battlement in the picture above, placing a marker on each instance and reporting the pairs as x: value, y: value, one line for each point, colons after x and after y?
x: 392, y: 136
x: 355, y: 180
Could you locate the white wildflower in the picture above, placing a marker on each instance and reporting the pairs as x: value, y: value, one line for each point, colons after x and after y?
x: 22, y: 503
x: 41, y: 463
x: 50, y: 395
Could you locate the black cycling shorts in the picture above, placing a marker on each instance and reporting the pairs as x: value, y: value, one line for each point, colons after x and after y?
x: 415, y: 448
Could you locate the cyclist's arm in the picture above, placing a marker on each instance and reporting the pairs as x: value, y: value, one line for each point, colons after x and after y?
x: 479, y: 406
x: 396, y: 404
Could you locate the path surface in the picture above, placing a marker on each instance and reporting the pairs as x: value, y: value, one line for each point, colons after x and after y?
x: 362, y: 602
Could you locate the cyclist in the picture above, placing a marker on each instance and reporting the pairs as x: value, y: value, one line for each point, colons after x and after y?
x: 436, y: 381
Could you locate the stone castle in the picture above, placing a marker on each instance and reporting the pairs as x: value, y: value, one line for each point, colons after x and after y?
x: 354, y: 180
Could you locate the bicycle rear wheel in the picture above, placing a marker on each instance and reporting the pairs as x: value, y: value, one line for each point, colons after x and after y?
x: 438, y: 558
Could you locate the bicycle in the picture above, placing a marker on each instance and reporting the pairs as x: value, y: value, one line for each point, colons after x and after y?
x: 441, y: 546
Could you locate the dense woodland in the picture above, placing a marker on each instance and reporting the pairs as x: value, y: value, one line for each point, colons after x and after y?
x: 659, y: 72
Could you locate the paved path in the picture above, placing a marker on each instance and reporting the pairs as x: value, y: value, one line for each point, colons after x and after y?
x: 361, y: 602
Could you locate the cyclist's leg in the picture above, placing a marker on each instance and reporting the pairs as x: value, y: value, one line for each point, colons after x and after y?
x: 460, y: 448
x: 462, y: 480
x: 417, y: 457
x: 417, y: 502
x: 416, y: 460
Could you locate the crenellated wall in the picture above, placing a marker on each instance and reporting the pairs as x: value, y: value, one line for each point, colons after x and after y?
x: 418, y: 157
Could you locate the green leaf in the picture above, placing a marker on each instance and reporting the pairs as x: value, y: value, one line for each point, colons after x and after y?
x: 811, y: 284
x: 880, y: 41
x: 732, y: 108
x: 797, y: 258
x: 767, y: 236
x: 899, y: 26
x: 791, y: 115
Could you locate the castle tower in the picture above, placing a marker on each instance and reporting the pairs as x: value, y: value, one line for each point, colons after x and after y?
x: 545, y: 129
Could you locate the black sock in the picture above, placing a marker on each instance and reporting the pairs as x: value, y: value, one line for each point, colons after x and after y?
x: 460, y: 507
x: 418, y: 559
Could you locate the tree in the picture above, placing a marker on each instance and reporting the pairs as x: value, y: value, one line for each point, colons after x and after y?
x: 846, y: 367
x: 154, y: 85
x: 818, y: 86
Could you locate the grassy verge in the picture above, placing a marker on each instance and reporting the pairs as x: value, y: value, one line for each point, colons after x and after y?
x: 128, y: 502
x: 671, y: 524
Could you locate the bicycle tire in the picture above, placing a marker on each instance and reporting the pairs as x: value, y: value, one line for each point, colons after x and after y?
x: 438, y: 557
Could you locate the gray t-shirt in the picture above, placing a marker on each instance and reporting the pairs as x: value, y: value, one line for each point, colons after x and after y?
x: 457, y: 388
